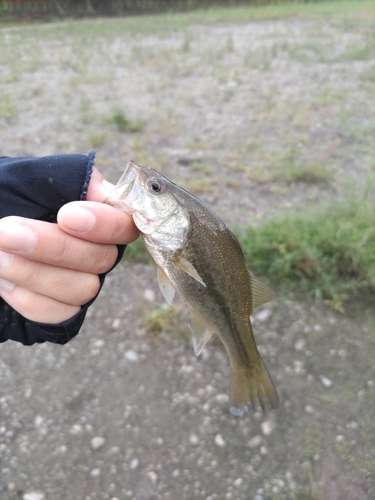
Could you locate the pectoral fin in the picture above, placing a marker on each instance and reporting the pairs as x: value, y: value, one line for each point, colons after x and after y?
x: 166, y: 287
x: 201, y: 334
x: 188, y: 267
x: 260, y: 293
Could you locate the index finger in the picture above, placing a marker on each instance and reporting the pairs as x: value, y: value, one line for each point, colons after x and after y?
x: 46, y: 242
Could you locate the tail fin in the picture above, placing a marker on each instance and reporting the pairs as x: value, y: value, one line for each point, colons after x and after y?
x: 247, y: 384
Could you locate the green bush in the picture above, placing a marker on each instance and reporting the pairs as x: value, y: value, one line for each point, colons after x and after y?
x: 329, y: 252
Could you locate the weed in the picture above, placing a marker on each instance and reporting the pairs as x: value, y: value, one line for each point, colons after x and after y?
x: 290, y: 166
x: 199, y: 186
x: 137, y: 252
x: 310, y: 174
x: 324, y: 98
x: 325, y: 398
x: 315, y: 488
x: 197, y: 144
x: 259, y: 59
x: 167, y: 319
x: 360, y: 52
x: 342, y: 448
x: 186, y: 45
x: 123, y: 123
x: 328, y: 252
x: 8, y: 109
x: 97, y: 139
x: 229, y: 44
x: 369, y: 74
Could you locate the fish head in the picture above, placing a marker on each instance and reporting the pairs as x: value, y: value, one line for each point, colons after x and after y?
x: 153, y: 202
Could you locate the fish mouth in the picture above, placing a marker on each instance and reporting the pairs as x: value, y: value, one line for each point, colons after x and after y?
x: 122, y: 189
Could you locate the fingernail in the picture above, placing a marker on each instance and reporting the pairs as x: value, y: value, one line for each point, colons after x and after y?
x: 78, y: 219
x: 4, y: 259
x: 6, y: 286
x: 16, y: 237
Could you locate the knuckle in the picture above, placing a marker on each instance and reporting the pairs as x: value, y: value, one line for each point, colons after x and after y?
x: 30, y: 273
x: 90, y: 288
x: 106, y: 259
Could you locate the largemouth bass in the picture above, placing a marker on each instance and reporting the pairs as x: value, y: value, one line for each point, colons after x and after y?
x: 200, y: 258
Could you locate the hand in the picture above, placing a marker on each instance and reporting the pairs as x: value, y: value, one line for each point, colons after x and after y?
x: 48, y: 271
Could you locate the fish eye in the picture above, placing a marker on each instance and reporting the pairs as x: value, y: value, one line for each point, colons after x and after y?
x: 154, y: 185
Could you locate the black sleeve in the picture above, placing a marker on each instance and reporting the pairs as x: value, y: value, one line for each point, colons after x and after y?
x: 37, y: 188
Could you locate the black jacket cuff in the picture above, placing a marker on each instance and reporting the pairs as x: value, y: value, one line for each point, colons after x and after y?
x: 37, y: 188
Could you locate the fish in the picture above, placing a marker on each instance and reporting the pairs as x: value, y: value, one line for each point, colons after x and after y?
x: 198, y: 257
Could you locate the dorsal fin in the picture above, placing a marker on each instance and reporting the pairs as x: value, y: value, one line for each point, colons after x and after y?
x: 260, y: 293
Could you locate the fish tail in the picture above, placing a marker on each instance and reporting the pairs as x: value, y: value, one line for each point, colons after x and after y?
x: 249, y: 384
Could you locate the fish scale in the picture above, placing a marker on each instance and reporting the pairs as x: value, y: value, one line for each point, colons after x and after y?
x: 200, y: 258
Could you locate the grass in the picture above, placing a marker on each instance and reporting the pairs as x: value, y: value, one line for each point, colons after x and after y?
x: 289, y: 166
x: 8, y: 109
x: 137, y: 252
x: 167, y: 319
x: 328, y: 252
x: 123, y: 123
x: 213, y: 15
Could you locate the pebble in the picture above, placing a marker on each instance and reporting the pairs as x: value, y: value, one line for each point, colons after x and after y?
x: 153, y: 477
x: 300, y: 345
x: 149, y: 295
x: 38, y: 421
x: 176, y: 473
x: 279, y: 482
x: 116, y: 323
x: 34, y: 495
x: 262, y: 315
x: 263, y: 450
x: 298, y: 367
x: 221, y: 398
x: 268, y: 426
x: 193, y: 439
x: 309, y: 409
x: 75, y: 429
x: 352, y: 425
x: 131, y: 356
x: 95, y: 472
x: 326, y: 381
x: 219, y: 441
x: 255, y: 441
x: 97, y: 442
x: 134, y: 464
x: 238, y: 482
x: 339, y: 439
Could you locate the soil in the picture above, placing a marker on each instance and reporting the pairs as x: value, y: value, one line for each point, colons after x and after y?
x: 225, y: 111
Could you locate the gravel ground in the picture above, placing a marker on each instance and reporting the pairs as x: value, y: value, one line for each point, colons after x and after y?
x: 229, y: 112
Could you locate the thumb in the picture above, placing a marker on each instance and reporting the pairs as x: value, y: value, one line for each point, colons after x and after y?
x: 95, y: 221
x: 99, y: 189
